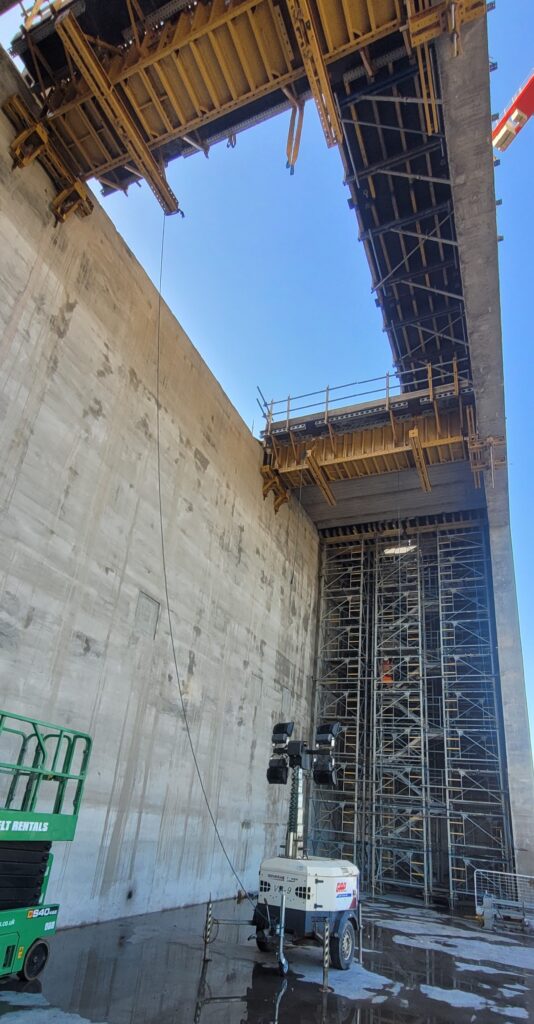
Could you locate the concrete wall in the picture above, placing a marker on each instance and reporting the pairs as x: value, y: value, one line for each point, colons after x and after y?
x: 466, y: 106
x: 81, y: 567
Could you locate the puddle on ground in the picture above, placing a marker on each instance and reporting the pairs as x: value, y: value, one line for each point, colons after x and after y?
x: 419, y: 967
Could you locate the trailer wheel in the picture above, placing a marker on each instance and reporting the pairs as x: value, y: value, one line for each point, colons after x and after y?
x: 35, y: 960
x: 342, y: 947
x: 263, y: 943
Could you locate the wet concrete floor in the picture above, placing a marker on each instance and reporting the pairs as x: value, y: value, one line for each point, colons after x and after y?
x: 419, y: 967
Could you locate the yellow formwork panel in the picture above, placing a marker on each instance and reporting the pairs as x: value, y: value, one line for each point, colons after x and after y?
x: 214, y: 59
x: 206, y: 64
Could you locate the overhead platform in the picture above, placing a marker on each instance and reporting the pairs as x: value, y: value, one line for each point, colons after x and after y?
x: 332, y: 456
x: 122, y: 89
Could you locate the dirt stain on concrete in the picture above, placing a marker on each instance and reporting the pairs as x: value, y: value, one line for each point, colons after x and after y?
x: 94, y: 409
x: 143, y: 425
x: 201, y: 461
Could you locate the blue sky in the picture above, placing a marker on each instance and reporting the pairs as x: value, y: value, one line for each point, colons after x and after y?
x: 266, y: 275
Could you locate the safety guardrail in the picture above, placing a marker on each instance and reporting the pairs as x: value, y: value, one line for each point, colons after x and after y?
x: 401, y: 384
x: 42, y: 774
x: 505, y: 896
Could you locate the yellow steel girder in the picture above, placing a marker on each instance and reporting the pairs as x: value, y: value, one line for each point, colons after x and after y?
x: 319, y: 477
x: 414, y: 442
x: 212, y: 59
x: 113, y: 107
x: 40, y: 8
x: 371, y: 451
x: 272, y: 482
x: 419, y: 459
x: 433, y: 20
x: 305, y: 29
x: 34, y: 142
x: 207, y: 63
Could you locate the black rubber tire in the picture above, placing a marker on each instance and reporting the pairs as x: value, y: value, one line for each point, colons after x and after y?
x: 262, y: 943
x: 35, y: 960
x: 342, y: 947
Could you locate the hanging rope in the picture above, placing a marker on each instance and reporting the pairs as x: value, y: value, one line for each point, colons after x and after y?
x: 166, y: 587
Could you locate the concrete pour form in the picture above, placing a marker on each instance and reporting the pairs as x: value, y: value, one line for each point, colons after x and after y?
x: 84, y: 637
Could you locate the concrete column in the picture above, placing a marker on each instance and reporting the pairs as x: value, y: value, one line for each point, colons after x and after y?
x: 466, y: 108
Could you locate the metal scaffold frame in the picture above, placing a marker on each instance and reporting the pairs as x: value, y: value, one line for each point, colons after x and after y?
x: 475, y: 786
x: 407, y: 661
x: 344, y: 691
x: 399, y: 769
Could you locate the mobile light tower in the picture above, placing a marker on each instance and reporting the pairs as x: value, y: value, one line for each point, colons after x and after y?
x: 299, y: 894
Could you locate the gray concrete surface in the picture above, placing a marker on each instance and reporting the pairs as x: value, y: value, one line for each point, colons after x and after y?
x: 466, y: 107
x: 84, y: 638
x: 394, y: 495
x: 418, y: 967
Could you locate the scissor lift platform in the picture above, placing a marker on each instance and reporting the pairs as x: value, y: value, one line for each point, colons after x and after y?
x: 42, y: 774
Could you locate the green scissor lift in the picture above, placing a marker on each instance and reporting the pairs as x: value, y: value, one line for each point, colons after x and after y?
x: 42, y: 774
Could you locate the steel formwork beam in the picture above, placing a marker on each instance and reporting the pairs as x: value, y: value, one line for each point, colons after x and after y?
x: 400, y: 222
x: 419, y: 459
x: 319, y: 477
x: 446, y: 16
x: 305, y: 29
x: 399, y: 158
x: 372, y: 451
x: 191, y: 65
x: 114, y: 109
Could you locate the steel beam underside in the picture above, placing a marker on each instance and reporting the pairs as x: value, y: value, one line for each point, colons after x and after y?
x: 398, y: 175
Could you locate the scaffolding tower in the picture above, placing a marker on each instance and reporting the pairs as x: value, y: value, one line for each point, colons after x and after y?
x: 407, y: 662
x: 344, y: 691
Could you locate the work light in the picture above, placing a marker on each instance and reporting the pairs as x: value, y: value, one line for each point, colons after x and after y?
x: 325, y: 772
x: 277, y: 771
x: 326, y: 735
x: 281, y: 733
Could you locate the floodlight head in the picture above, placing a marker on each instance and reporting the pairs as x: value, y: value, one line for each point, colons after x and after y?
x: 277, y: 771
x: 325, y: 772
x: 281, y: 733
x: 327, y: 734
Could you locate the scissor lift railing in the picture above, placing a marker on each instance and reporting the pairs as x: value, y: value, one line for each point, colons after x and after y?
x: 504, y: 896
x: 42, y: 774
